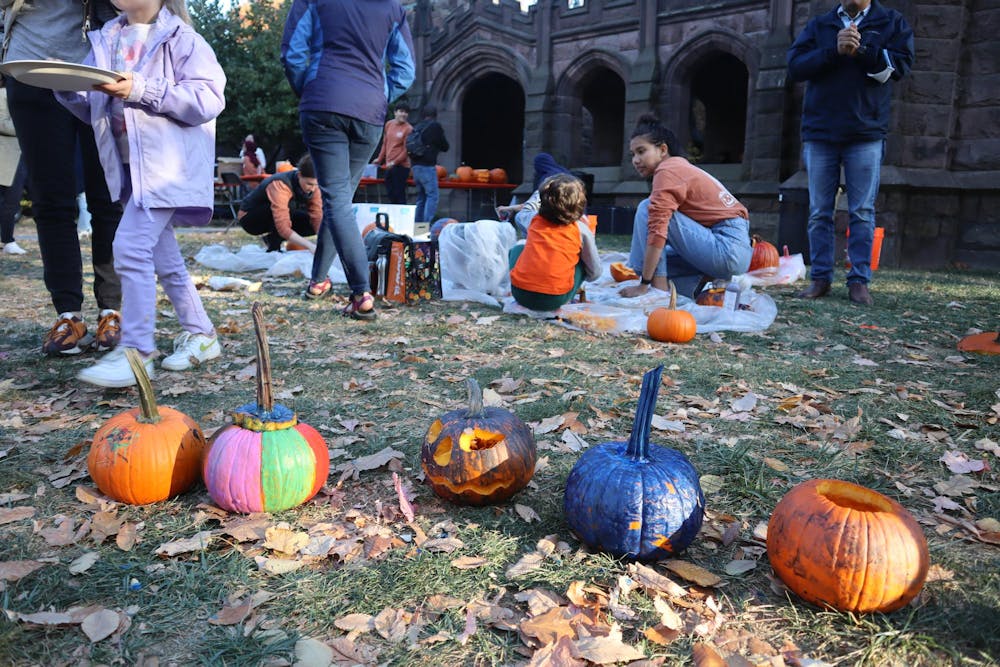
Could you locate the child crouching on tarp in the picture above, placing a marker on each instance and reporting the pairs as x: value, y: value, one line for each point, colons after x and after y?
x: 559, y: 252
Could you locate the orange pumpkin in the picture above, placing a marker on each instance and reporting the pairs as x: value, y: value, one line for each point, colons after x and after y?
x: 498, y: 175
x: 481, y: 175
x: 764, y: 257
x: 464, y: 174
x: 442, y: 173
x: 621, y: 273
x: 841, y: 545
x: 669, y: 325
x: 292, y: 245
x: 284, y: 166
x: 713, y: 296
x: 146, y: 454
x: 987, y: 342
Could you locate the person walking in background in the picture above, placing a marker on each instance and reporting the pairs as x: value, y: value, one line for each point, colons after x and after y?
x: 432, y: 141
x: 48, y: 135
x: 168, y: 98
x: 344, y: 59
x: 547, y: 269
x: 848, y: 58
x: 690, y: 227
x: 392, y: 156
x: 254, y: 162
x: 284, y: 207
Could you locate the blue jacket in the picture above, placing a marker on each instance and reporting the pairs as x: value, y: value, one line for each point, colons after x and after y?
x: 349, y: 57
x: 842, y: 103
x: 177, y: 91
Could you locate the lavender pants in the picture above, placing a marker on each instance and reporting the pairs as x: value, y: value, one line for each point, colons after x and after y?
x: 145, y: 249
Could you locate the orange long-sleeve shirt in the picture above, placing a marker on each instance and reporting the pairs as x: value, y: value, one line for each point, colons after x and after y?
x: 394, y: 143
x: 678, y: 185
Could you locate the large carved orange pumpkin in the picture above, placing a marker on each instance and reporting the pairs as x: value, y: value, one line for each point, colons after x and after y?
x: 669, y: 325
x: 146, y: 454
x: 478, y: 455
x: 765, y: 256
x: 841, y: 545
x: 464, y: 174
x: 498, y: 175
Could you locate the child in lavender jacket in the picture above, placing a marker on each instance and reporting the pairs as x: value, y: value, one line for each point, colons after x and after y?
x: 155, y: 132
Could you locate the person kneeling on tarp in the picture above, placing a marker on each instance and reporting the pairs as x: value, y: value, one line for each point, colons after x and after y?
x: 284, y: 207
x: 560, y: 251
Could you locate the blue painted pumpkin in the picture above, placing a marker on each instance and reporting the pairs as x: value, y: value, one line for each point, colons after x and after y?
x: 635, y: 499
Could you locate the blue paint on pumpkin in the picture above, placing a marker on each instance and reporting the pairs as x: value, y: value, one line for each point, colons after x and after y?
x: 635, y: 499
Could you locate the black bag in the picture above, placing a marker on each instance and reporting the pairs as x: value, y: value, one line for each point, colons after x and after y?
x: 415, y: 146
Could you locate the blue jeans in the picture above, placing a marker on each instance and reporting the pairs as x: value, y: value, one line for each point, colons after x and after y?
x: 427, y: 192
x: 861, y: 162
x: 340, y: 147
x: 693, y: 250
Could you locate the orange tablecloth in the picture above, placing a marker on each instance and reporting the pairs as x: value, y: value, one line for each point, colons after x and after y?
x: 469, y: 187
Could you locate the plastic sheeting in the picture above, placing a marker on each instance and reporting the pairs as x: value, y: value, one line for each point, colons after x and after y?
x: 255, y: 258
x: 474, y: 261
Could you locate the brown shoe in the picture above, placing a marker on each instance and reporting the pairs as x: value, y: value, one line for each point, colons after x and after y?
x: 858, y: 293
x: 815, y: 290
x: 67, y: 336
x: 109, y: 330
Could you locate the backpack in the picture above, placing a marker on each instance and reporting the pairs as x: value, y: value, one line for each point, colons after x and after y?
x: 415, y: 146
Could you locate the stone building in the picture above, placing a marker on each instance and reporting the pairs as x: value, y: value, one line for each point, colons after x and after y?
x: 571, y: 77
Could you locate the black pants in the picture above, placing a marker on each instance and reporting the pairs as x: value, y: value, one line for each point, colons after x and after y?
x: 260, y: 222
x: 10, y: 202
x: 395, y: 183
x: 48, y: 135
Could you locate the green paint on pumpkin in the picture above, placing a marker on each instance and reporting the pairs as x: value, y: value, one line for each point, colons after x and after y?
x: 287, y: 469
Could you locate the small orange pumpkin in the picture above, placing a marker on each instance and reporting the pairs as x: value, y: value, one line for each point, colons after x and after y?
x: 669, y: 325
x: 498, y: 175
x: 713, y: 296
x: 442, y: 173
x: 146, y: 454
x: 464, y: 174
x: 621, y: 273
x: 841, y: 545
x: 481, y: 175
x: 765, y: 256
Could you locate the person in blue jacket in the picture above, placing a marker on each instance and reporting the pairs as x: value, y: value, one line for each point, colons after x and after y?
x: 848, y: 58
x: 346, y: 60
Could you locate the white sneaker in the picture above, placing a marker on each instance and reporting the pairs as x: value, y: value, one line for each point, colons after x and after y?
x: 113, y: 370
x: 190, y: 350
x: 13, y: 249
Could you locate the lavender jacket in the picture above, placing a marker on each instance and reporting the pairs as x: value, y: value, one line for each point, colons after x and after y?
x: 170, y: 114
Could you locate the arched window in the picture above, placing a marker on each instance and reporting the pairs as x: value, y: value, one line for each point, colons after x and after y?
x: 602, y: 118
x: 493, y: 125
x: 718, y: 109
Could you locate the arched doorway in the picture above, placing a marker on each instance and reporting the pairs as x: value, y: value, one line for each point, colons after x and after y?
x: 602, y: 121
x: 493, y: 125
x: 718, y: 109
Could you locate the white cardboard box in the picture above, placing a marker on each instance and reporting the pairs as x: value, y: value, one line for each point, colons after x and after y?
x: 401, y: 216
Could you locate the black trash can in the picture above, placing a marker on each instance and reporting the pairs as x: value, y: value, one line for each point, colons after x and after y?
x: 793, y: 221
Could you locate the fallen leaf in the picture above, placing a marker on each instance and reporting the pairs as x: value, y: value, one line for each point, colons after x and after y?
x: 744, y: 404
x: 84, y: 562
x: 654, y: 582
x: 284, y: 540
x: 470, y: 626
x: 197, y: 542
x: 527, y: 563
x: 469, y: 562
x: 392, y: 623
x: 526, y: 513
x: 959, y: 463
x: 548, y: 627
x: 711, y: 484
x: 693, y: 573
x: 232, y: 614
x: 277, y: 565
x: 443, y: 544
x: 705, y: 655
x: 661, y: 635
x: 558, y: 654
x: 126, y: 537
x: 356, y: 622
x: 14, y: 570
x: 311, y: 652
x: 737, y: 567
x: 100, y: 625
x: 12, y: 514
x: 405, y: 506
x: 669, y: 618
x: 607, y: 650
x: 539, y: 600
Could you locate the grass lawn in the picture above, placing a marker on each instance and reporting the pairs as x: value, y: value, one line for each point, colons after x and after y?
x: 879, y: 396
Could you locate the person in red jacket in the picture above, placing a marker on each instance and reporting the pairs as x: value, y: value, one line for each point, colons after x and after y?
x: 393, y: 157
x: 559, y: 253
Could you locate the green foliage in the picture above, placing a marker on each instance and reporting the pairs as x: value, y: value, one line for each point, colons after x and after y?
x: 259, y: 101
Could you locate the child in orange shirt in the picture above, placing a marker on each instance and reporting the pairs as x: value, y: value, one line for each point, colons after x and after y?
x: 559, y: 252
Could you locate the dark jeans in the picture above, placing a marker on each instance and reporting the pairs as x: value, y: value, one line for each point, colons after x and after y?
x: 260, y: 222
x: 10, y: 202
x: 340, y: 147
x: 395, y: 183
x: 48, y: 135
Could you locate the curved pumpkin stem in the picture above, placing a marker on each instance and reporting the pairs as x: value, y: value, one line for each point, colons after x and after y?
x: 265, y: 396
x: 673, y: 295
x: 149, y: 413
x: 638, y: 442
x: 475, y: 398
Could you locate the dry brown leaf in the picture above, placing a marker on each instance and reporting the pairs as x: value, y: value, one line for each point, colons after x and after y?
x: 277, y: 565
x: 347, y: 653
x: 775, y: 464
x: 469, y: 562
x: 247, y: 530
x: 549, y: 626
x: 83, y: 562
x: 440, y: 602
x: 443, y: 544
x: 100, y: 625
x: 88, y: 496
x: 14, y: 570
x: 63, y: 534
x: 126, y: 537
x: 669, y: 618
x: 103, y: 525
x: 705, y: 655
x: 405, y: 506
x: 527, y: 563
x: 470, y: 626
x: 232, y: 614
x: 693, y: 573
x: 356, y: 622
x: 558, y: 654
x: 654, y: 582
x: 661, y: 635
x: 311, y: 652
x: 196, y: 542
x: 526, y: 513
x: 283, y: 539
x: 539, y: 600
x: 737, y: 567
x: 12, y: 514
x: 392, y: 623
x: 607, y: 650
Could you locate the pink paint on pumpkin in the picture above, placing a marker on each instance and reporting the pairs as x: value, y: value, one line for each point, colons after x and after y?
x: 232, y: 470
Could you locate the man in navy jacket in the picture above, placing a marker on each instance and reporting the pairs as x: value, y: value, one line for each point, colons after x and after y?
x: 849, y: 58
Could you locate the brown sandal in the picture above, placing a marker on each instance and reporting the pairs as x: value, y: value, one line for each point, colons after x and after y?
x: 355, y: 308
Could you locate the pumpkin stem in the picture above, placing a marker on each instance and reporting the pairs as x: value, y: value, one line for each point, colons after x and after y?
x: 265, y: 397
x: 475, y: 398
x: 638, y: 442
x: 148, y: 412
x: 673, y: 295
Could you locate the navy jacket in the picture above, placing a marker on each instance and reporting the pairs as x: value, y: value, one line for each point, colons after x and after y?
x: 349, y: 57
x: 433, y: 137
x: 842, y: 103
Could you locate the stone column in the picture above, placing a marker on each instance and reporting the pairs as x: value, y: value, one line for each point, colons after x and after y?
x: 538, y: 111
x: 641, y: 89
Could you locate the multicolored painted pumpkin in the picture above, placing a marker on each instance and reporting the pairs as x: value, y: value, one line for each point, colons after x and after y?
x: 266, y: 460
x: 478, y: 455
x: 620, y: 272
x: 841, y: 545
x: 669, y: 325
x: 765, y: 256
x: 146, y: 454
x: 635, y: 499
